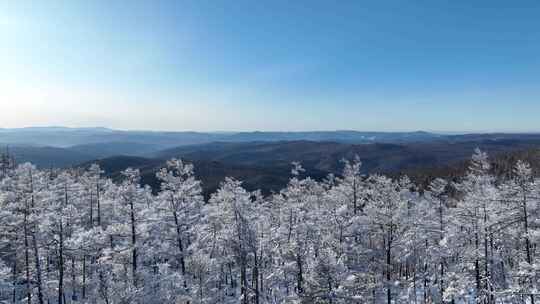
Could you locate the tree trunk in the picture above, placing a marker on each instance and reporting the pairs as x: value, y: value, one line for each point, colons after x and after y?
x: 355, y: 196
x: 13, y: 279
x: 243, y: 282
x: 133, y: 244
x: 389, y: 266
x: 84, y: 277
x: 73, y: 289
x: 35, y: 245
x: 256, y: 277
x: 27, y: 260
x: 61, y: 265
x: 300, y: 276
x: 180, y: 245
x: 37, y: 263
x: 476, y: 260
x: 98, y: 204
x: 441, y: 221
x: 527, y: 241
x: 91, y: 220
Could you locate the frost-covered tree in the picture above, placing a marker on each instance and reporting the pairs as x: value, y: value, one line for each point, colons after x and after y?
x: 520, y: 195
x: 179, y: 204
x: 74, y: 236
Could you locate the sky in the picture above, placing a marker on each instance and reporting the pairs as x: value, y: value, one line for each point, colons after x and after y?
x: 271, y: 65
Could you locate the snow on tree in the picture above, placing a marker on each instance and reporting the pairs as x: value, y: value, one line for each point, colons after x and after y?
x: 74, y: 236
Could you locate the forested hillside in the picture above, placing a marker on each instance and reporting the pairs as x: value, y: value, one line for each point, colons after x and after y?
x: 74, y: 236
x: 266, y: 166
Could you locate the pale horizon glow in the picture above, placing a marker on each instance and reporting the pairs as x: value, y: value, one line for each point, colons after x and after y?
x: 270, y: 67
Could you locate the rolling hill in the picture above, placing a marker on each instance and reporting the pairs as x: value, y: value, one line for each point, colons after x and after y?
x: 261, y: 159
x: 266, y: 165
x: 66, y: 137
x: 47, y: 157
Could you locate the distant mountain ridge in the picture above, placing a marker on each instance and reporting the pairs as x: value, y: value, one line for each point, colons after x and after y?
x: 47, y: 157
x: 64, y: 147
x: 338, y: 136
x: 261, y: 159
x: 267, y: 165
x: 149, y: 141
x: 66, y: 137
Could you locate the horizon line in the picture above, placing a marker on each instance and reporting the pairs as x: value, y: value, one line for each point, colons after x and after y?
x: 437, y: 132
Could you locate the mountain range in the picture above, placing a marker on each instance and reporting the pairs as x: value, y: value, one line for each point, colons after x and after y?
x: 156, y: 140
x: 260, y: 159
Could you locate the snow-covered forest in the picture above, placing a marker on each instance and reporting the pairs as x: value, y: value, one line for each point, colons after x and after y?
x: 74, y: 236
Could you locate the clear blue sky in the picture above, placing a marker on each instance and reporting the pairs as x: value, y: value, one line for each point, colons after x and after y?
x: 271, y: 65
